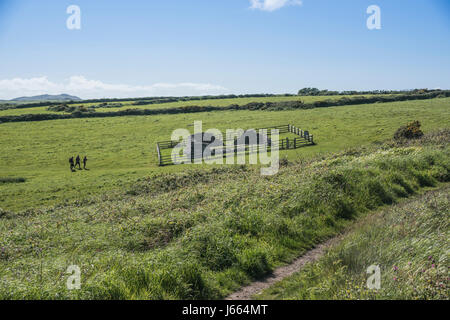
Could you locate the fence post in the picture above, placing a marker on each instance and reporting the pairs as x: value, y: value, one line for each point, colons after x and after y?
x: 287, y: 143
x: 159, y: 153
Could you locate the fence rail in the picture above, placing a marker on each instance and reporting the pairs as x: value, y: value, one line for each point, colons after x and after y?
x: 303, y: 139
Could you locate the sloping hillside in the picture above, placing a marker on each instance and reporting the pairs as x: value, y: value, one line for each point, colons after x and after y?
x: 208, y: 232
x: 48, y: 97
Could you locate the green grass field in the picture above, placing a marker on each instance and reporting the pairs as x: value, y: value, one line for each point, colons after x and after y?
x: 206, y: 102
x: 200, y: 235
x: 123, y: 149
x: 140, y: 231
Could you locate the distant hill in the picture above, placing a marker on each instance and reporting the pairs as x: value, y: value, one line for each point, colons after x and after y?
x: 48, y: 97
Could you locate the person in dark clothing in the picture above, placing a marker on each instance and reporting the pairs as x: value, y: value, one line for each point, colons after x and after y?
x: 84, y: 162
x: 71, y: 164
x: 78, y: 163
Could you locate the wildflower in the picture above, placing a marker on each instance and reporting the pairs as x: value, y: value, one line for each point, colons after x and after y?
x: 433, y: 265
x: 395, y: 278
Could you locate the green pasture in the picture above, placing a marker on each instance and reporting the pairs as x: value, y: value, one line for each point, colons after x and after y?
x: 206, y: 102
x: 226, y: 102
x: 204, y: 233
x: 122, y: 149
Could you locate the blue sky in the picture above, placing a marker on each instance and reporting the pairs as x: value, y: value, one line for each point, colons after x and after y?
x: 174, y: 47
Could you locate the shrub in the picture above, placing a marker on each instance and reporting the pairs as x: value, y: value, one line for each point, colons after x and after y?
x: 11, y: 180
x: 284, y: 162
x: 410, y: 131
x: 108, y: 105
x: 69, y: 109
x: 6, y: 214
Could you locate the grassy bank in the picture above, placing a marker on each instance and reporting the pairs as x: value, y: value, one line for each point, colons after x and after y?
x: 409, y: 242
x: 205, y: 238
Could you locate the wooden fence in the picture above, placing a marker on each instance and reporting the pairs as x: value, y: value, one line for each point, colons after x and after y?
x: 303, y: 139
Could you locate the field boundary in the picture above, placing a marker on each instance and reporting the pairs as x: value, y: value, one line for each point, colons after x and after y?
x: 9, y: 104
x: 253, y: 106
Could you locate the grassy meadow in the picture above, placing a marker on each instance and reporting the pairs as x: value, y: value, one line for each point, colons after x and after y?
x: 140, y: 231
x: 201, y: 235
x: 122, y: 149
x: 169, y: 105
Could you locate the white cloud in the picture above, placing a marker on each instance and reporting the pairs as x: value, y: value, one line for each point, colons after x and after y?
x: 272, y: 5
x: 87, y: 89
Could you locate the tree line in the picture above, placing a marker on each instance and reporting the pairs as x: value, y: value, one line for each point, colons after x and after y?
x: 318, y: 92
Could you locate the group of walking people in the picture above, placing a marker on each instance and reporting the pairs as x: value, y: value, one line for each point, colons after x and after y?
x: 77, y: 162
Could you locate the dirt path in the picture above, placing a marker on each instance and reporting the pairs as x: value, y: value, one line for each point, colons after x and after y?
x: 246, y: 293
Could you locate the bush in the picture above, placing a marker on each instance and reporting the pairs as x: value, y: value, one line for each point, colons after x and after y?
x: 11, y: 180
x: 284, y: 162
x: 107, y: 105
x: 410, y: 131
x: 6, y: 214
x: 69, y: 109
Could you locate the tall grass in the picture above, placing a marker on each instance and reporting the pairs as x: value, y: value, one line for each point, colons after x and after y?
x: 409, y: 242
x: 203, y: 240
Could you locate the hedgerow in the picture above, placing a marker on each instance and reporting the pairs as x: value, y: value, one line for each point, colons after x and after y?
x: 269, y: 106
